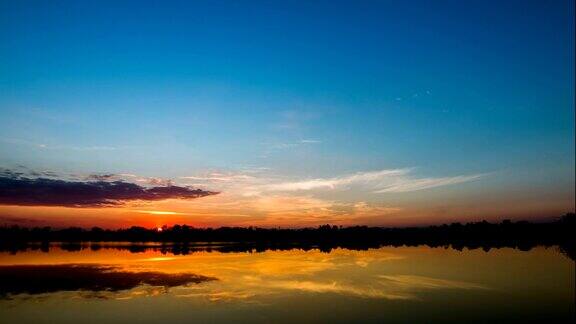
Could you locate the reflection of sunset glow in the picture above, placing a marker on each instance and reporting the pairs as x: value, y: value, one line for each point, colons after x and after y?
x: 193, y: 286
x: 157, y: 259
x: 386, y: 273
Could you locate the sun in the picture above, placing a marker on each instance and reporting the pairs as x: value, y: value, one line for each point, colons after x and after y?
x: 159, y: 229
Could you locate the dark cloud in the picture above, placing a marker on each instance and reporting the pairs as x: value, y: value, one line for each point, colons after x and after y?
x: 11, y: 173
x: 22, y: 191
x: 102, y: 177
x: 119, y: 177
x: 42, y: 279
x: 25, y: 172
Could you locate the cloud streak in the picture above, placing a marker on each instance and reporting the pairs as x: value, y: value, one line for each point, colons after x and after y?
x: 331, y: 183
x: 382, y: 181
x: 426, y: 183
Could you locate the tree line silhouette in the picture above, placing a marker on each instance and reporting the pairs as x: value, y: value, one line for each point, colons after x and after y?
x: 183, y: 239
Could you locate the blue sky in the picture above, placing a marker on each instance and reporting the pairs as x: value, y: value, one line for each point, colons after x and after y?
x: 301, y: 90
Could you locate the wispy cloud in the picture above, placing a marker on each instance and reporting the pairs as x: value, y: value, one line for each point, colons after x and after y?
x: 332, y: 183
x: 426, y: 183
x: 382, y: 181
x: 219, y: 177
x: 153, y: 181
x: 310, y: 141
x: 271, y: 198
x: 292, y: 144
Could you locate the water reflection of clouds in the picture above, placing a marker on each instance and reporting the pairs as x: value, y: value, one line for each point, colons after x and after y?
x: 394, y: 287
x: 88, y: 279
x: 421, y: 282
x: 253, y: 278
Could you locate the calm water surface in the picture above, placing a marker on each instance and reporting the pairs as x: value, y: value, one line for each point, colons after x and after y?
x: 416, y: 284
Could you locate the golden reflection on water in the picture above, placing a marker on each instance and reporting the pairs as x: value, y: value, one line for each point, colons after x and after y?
x: 268, y: 282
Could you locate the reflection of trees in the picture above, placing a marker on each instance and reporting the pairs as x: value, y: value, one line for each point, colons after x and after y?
x: 568, y: 250
x: 181, y: 240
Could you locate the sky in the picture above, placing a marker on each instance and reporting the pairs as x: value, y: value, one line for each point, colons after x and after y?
x: 290, y: 114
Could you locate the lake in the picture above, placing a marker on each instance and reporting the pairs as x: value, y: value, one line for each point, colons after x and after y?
x: 151, y: 284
